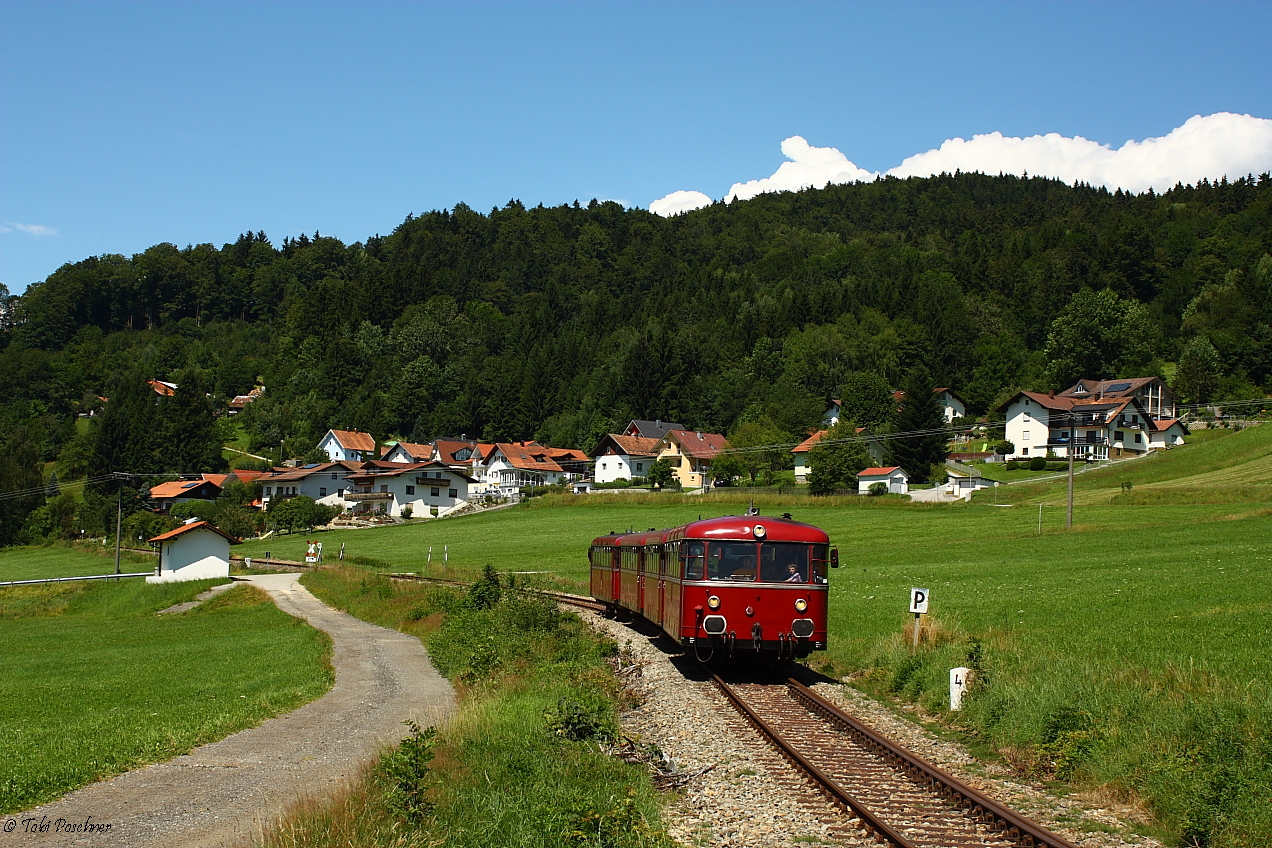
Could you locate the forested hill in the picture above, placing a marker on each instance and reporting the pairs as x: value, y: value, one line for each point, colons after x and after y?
x: 563, y: 323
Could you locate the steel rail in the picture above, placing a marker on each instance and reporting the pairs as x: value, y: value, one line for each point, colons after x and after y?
x: 1013, y: 825
x: 71, y: 579
x: 581, y: 601
x: 875, y: 826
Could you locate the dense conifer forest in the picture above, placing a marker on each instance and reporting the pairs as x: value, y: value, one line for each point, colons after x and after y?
x: 563, y: 323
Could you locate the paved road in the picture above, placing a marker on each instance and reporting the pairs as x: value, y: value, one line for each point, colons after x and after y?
x: 222, y: 793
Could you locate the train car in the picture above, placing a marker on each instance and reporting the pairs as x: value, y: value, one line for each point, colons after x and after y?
x: 722, y: 586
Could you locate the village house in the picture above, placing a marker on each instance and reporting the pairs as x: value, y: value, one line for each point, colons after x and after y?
x: 325, y: 482
x: 1167, y: 433
x: 512, y: 466
x: 801, y: 451
x: 417, y: 489
x: 196, y: 550
x: 690, y: 454
x: 1093, y: 428
x: 650, y: 429
x: 167, y: 495
x: 952, y: 406
x: 623, y: 457
x: 239, y: 402
x: 348, y: 446
x: 406, y: 452
x: 1154, y: 396
x: 894, y: 476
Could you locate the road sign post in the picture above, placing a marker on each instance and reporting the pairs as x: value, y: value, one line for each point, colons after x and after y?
x: 919, y: 606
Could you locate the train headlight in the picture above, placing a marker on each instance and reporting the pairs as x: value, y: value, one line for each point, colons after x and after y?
x: 713, y: 602
x: 801, y: 605
x: 759, y: 531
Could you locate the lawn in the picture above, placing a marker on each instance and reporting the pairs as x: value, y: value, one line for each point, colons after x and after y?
x: 33, y: 563
x: 96, y: 683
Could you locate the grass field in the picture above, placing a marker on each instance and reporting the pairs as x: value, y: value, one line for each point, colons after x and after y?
x: 1131, y: 654
x: 96, y: 683
x: 34, y: 563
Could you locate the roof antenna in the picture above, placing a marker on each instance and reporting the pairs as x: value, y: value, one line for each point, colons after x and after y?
x: 751, y: 510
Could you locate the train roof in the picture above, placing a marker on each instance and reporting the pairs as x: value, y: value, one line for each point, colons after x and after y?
x: 726, y: 527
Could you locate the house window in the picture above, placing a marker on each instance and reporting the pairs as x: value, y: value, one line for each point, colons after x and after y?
x: 269, y: 490
x: 1024, y: 451
x: 1118, y: 435
x: 333, y: 475
x: 410, y: 490
x: 640, y: 466
x: 602, y: 465
x: 322, y: 491
x: 433, y: 492
x: 1138, y: 440
x: 384, y: 488
x: 1024, y: 435
x: 454, y: 493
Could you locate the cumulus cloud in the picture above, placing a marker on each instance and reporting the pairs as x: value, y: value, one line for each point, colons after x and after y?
x: 679, y: 201
x: 1211, y: 147
x: 29, y: 229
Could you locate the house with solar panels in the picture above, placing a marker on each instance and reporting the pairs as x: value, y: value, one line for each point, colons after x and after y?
x: 325, y: 482
x: 167, y: 495
x: 1094, y: 420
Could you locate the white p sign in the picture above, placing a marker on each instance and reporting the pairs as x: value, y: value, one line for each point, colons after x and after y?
x: 918, y: 601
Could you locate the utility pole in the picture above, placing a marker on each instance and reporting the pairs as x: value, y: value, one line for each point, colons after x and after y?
x: 1069, y: 518
x: 119, y: 521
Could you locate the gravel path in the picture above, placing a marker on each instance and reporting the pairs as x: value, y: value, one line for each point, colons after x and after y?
x: 221, y: 794
x: 748, y: 797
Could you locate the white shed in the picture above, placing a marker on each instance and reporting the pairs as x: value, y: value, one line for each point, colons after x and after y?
x: 194, y: 551
x: 894, y: 475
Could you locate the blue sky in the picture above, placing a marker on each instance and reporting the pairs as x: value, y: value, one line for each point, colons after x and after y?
x: 127, y: 124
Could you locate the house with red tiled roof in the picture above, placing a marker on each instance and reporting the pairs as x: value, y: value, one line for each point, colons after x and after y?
x: 407, y: 452
x: 513, y: 466
x: 618, y: 457
x: 1167, y: 433
x: 1154, y: 395
x: 894, y: 476
x: 801, y: 451
x: 690, y: 454
x: 196, y: 550
x: 163, y: 388
x: 348, y: 445
x: 239, y: 402
x: 424, y: 488
x: 167, y: 495
x: 1092, y: 427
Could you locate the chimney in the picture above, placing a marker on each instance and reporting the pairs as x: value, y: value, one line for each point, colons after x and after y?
x: 699, y: 435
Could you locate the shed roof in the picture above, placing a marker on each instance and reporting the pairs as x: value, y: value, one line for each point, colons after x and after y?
x: 195, y: 525
x: 881, y: 472
x: 354, y: 440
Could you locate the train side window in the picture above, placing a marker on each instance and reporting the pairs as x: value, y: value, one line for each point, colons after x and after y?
x: 821, y: 560
x: 693, y: 560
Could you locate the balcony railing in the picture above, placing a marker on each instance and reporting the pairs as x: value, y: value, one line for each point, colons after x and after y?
x: 1063, y: 438
x: 368, y: 496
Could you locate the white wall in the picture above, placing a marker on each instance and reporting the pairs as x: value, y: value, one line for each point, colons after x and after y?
x: 196, y: 555
x: 1027, y: 427
x: 611, y: 467
x: 953, y: 407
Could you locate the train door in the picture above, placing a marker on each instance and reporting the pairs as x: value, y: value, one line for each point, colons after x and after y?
x: 616, y: 572
x: 642, y: 568
x: 656, y: 603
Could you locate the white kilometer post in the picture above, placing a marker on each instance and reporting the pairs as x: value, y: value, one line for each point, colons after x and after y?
x: 918, y: 606
x: 958, y: 686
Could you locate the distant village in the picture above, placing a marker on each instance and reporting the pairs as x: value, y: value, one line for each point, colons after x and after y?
x: 1094, y: 420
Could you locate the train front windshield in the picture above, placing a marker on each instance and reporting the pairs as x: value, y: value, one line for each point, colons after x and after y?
x: 764, y: 562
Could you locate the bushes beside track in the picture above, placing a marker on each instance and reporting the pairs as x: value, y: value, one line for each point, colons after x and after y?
x: 519, y: 765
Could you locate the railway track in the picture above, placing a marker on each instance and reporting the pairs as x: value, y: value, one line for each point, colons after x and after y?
x: 898, y: 798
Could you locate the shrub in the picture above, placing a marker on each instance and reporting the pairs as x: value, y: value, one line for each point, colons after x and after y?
x: 1063, y: 465
x: 1038, y: 463
x: 407, y: 511
x: 877, y: 489
x: 406, y: 771
x: 1013, y: 465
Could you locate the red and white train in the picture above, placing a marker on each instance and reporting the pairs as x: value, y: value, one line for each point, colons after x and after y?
x: 723, y: 586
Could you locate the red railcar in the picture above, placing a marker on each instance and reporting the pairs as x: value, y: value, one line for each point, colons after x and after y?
x: 722, y: 586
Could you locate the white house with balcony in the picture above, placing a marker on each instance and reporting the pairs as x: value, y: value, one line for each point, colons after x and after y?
x: 325, y: 482
x: 348, y: 446
x: 512, y: 466
x: 424, y: 488
x: 1092, y: 428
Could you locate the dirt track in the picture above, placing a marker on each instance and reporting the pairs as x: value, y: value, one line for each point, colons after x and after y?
x: 220, y: 794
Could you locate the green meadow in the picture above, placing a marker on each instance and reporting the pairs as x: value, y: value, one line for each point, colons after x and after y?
x: 34, y: 563
x: 95, y: 682
x: 1131, y: 655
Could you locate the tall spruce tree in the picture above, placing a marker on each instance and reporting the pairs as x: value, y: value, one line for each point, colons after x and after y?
x: 127, y: 435
x: 190, y: 440
x: 921, y: 456
x: 837, y: 459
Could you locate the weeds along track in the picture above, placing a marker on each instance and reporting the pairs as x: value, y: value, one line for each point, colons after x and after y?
x: 580, y: 601
x: 898, y: 798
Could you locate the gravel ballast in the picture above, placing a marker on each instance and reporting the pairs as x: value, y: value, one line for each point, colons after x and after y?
x: 748, y: 795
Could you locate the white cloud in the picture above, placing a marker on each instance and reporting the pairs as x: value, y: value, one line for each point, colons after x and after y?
x: 1212, y: 146
x: 29, y: 229
x: 809, y: 166
x: 679, y: 201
